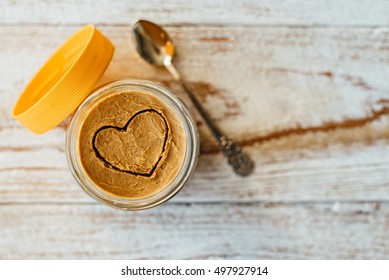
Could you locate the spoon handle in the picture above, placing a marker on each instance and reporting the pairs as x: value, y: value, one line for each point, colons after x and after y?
x: 239, y: 160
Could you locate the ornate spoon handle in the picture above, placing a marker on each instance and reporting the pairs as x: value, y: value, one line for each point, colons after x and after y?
x: 239, y: 160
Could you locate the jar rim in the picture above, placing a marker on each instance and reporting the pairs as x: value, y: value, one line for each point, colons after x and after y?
x: 188, y: 165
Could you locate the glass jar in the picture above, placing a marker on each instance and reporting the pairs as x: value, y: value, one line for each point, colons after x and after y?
x: 190, y: 158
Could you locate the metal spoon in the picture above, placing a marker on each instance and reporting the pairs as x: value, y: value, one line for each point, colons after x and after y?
x: 155, y: 46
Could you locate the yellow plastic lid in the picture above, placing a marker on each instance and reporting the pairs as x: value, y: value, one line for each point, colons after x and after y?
x: 64, y: 81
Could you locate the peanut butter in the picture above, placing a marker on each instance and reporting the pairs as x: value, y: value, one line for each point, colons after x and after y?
x: 132, y: 144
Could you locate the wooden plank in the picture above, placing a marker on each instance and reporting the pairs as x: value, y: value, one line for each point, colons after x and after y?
x: 300, y: 100
x: 269, y: 12
x: 197, y: 231
x: 283, y: 72
x: 358, y: 172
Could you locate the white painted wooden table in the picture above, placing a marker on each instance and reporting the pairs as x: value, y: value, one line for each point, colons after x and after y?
x: 302, y: 85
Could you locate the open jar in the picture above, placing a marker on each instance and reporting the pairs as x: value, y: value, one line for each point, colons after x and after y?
x: 131, y: 144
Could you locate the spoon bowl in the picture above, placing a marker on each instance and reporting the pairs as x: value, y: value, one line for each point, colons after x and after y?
x: 153, y: 43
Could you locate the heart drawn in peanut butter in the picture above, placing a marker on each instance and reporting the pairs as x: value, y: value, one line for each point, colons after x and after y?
x: 135, y: 148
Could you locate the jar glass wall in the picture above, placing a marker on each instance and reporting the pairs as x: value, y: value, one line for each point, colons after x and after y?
x: 191, y: 149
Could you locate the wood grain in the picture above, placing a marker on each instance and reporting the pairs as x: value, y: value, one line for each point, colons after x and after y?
x: 302, y: 85
x: 247, y: 12
x: 196, y: 231
x: 314, y: 121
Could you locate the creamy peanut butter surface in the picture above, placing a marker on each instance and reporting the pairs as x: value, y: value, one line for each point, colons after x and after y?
x: 132, y: 144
